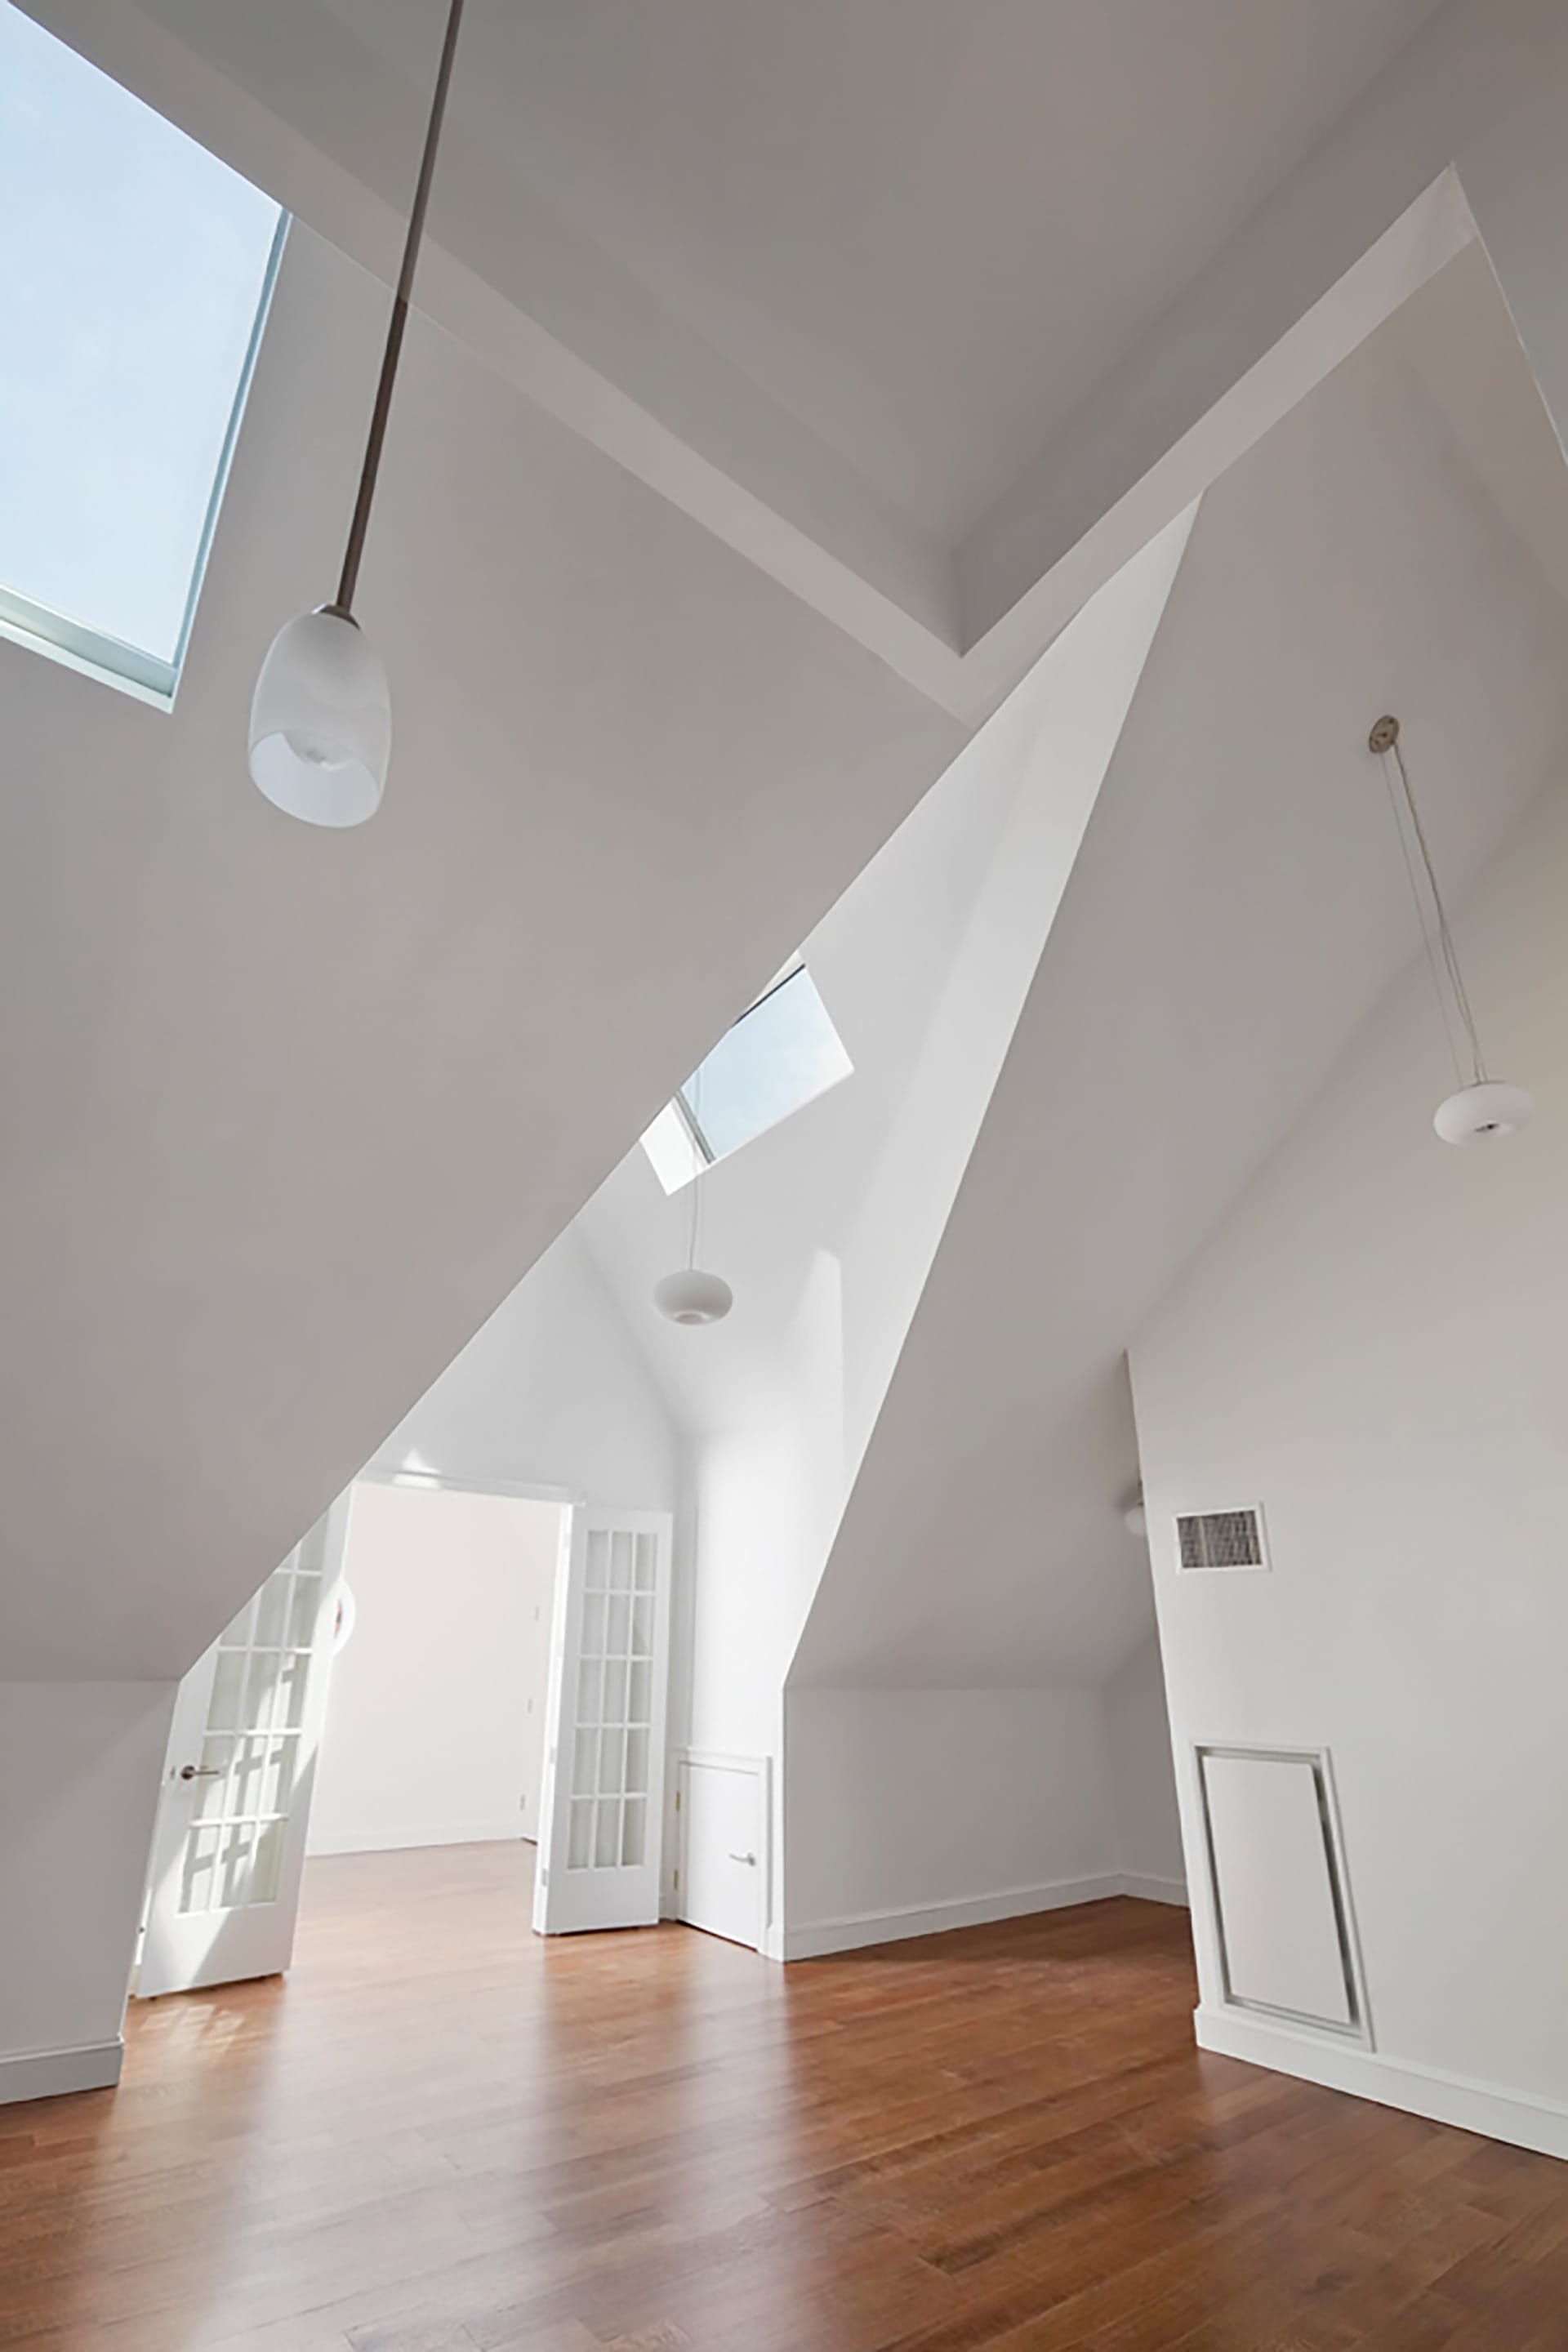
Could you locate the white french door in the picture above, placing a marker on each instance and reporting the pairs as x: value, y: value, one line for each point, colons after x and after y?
x: 230, y: 1840
x: 603, y: 1809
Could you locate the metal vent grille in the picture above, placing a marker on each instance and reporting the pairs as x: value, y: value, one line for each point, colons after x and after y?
x: 1221, y: 1538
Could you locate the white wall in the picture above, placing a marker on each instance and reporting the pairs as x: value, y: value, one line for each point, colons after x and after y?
x: 553, y: 1392
x: 79, y: 1771
x: 1142, y: 1781
x: 1373, y: 1348
x: 429, y: 1739
x: 913, y: 1810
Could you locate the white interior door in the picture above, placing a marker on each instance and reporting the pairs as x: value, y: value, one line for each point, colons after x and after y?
x: 230, y: 1840
x: 603, y: 1756
x: 722, y: 1885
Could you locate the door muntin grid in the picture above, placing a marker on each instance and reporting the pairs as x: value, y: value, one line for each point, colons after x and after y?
x: 606, y: 1826
x: 233, y: 1853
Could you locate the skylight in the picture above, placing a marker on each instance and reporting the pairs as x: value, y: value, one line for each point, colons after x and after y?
x: 781, y: 1055
x: 134, y: 272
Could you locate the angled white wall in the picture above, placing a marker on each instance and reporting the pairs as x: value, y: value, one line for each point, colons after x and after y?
x: 291, y: 1112
x: 550, y: 1391
x: 1371, y: 1347
x: 775, y: 1456
x: 1233, y: 910
x: 79, y: 1766
x: 1188, y: 1001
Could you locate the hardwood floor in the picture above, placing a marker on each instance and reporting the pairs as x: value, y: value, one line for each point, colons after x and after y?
x: 439, y: 2135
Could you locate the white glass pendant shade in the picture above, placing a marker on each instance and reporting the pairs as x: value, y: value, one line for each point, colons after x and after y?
x: 693, y: 1296
x: 1483, y: 1113
x: 1135, y: 1518
x: 321, y: 725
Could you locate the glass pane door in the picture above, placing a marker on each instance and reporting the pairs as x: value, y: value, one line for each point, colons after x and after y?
x: 599, y: 1862
x: 230, y: 1840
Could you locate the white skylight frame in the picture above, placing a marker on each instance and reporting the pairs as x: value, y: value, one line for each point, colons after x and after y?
x: 677, y: 1143
x: 29, y: 621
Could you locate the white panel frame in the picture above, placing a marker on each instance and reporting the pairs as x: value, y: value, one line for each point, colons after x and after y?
x: 1320, y: 1762
x: 761, y: 1770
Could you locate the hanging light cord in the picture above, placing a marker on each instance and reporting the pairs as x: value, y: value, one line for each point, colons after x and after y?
x: 343, y: 603
x: 1441, y: 953
x: 697, y: 1177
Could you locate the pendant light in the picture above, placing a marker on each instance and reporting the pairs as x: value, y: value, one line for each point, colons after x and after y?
x: 321, y: 725
x: 1134, y: 1517
x: 691, y: 1296
x: 1484, y: 1109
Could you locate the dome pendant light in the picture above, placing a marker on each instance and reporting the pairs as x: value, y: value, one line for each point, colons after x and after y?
x: 692, y: 1296
x: 1483, y: 1108
x: 321, y: 725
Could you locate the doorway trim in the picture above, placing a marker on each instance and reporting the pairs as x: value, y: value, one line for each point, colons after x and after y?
x: 446, y: 1482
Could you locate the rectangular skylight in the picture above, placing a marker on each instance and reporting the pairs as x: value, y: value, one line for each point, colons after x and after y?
x: 781, y: 1055
x: 134, y: 273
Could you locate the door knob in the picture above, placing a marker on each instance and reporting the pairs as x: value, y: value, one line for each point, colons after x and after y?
x: 750, y: 1858
x: 200, y: 1772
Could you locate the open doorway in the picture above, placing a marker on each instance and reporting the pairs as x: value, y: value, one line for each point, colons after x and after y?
x: 433, y: 1665
x: 435, y: 1724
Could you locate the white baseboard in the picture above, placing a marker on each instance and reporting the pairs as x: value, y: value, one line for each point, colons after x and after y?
x: 1155, y: 1890
x: 381, y: 1841
x: 1495, y: 2114
x: 859, y: 1928
x: 50, y: 2074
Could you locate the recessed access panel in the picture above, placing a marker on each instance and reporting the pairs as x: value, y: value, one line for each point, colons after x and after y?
x: 1281, y: 1903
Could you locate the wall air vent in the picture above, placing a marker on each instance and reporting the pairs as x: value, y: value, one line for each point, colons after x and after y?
x: 1222, y: 1539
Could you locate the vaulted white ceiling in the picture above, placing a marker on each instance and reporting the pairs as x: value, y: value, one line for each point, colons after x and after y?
x: 877, y: 289
x: 1237, y: 908
x: 926, y: 230
x: 734, y: 338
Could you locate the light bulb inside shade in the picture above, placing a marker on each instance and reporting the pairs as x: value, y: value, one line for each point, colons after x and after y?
x: 321, y: 725
x: 692, y: 1296
x: 1483, y: 1113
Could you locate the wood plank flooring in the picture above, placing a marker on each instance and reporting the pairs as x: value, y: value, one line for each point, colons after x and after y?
x: 439, y: 2135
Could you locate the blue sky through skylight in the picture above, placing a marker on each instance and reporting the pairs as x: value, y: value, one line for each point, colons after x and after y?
x: 779, y: 1055
x: 133, y: 268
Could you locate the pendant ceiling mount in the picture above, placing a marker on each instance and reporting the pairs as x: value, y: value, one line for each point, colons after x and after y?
x: 1482, y: 1109
x: 691, y: 1296
x: 320, y: 724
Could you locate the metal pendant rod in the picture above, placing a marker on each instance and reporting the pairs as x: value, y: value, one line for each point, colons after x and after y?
x: 343, y: 605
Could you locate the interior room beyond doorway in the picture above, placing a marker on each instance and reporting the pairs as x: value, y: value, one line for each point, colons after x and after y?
x: 435, y: 1719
